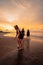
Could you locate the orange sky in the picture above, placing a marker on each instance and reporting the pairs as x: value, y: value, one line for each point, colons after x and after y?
x: 24, y: 13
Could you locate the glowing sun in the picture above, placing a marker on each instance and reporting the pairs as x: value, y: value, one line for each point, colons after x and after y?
x: 11, y: 19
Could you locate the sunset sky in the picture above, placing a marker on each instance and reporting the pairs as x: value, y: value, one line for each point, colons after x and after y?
x: 25, y: 13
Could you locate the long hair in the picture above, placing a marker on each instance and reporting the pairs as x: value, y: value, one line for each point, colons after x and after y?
x: 16, y: 27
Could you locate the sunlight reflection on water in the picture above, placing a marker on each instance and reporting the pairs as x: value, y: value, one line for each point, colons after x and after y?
x: 10, y: 34
x: 32, y: 34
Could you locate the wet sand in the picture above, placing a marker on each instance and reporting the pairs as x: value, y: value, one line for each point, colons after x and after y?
x: 31, y: 55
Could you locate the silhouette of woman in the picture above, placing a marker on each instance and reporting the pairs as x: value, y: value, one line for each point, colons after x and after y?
x: 28, y: 33
x: 20, y: 36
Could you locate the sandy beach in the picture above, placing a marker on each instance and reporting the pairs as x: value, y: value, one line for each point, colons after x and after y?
x: 31, y: 55
x: 22, y: 19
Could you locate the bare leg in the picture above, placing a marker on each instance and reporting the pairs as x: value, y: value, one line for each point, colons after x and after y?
x: 20, y: 44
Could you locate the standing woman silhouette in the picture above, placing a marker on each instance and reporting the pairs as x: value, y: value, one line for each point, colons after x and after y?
x: 19, y: 35
x: 28, y: 33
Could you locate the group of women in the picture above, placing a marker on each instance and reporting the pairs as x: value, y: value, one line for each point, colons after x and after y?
x: 20, y: 35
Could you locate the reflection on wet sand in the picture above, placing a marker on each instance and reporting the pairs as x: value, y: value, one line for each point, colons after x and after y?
x: 31, y: 55
x: 28, y: 42
x: 19, y: 57
x: 23, y: 55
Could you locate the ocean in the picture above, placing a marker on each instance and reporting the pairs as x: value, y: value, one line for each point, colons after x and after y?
x: 33, y: 34
x: 37, y: 34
